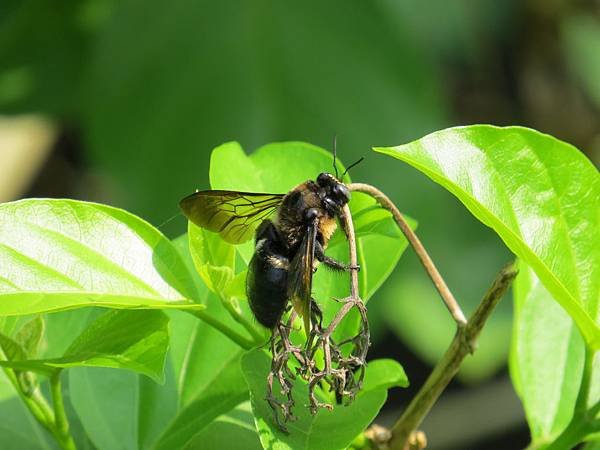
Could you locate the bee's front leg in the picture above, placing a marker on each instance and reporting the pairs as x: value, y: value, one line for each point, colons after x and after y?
x: 330, y: 262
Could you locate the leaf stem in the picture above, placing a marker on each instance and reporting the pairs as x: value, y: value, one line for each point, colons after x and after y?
x: 240, y: 340
x: 463, y: 343
x: 594, y: 410
x: 61, y: 423
x: 416, y: 244
x: 239, y: 318
x: 584, y: 388
x: 35, y: 402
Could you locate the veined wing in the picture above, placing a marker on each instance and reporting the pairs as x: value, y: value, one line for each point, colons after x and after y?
x: 234, y: 215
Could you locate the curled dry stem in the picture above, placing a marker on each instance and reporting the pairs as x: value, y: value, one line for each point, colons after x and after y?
x: 322, y: 361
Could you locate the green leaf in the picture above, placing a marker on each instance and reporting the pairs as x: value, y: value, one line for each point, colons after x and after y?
x: 237, y: 287
x: 63, y: 327
x: 540, y: 195
x: 122, y: 410
x: 64, y: 254
x: 327, y: 429
x: 9, y: 323
x: 133, y: 340
x: 107, y: 403
x: 213, y: 257
x: 157, y: 405
x: 227, y: 390
x: 30, y: 336
x: 12, y: 350
x: 547, y: 358
x: 234, y: 429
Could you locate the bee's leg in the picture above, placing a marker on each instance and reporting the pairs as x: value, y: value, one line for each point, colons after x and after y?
x: 330, y: 262
x: 316, y: 313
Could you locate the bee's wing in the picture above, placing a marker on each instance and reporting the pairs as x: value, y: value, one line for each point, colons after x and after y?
x: 301, y: 273
x: 234, y: 215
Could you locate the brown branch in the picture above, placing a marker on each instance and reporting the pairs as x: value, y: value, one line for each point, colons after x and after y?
x: 462, y: 344
x: 414, y: 241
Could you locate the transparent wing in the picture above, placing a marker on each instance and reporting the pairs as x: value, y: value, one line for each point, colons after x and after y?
x: 234, y: 215
x: 300, y: 275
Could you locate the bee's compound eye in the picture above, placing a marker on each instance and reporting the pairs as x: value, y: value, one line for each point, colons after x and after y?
x: 341, y: 192
x: 311, y: 214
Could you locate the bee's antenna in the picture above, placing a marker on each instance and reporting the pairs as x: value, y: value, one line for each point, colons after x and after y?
x: 335, y: 156
x: 169, y: 220
x: 352, y: 165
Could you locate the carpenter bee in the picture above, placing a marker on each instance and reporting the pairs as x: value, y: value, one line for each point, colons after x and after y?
x: 291, y: 234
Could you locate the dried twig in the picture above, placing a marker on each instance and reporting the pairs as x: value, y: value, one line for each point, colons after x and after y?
x: 344, y: 374
x: 281, y: 350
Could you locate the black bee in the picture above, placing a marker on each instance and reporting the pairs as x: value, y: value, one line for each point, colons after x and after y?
x: 291, y: 234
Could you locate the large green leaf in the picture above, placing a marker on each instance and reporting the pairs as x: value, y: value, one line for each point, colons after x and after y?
x: 547, y: 359
x: 64, y: 254
x: 540, y: 195
x: 133, y: 340
x: 327, y: 429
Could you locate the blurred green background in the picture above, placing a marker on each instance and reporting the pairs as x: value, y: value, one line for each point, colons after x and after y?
x: 122, y: 102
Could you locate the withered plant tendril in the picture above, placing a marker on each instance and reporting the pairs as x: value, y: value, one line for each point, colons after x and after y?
x: 322, y: 363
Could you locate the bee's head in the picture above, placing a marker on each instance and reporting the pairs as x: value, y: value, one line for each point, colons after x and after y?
x: 333, y: 192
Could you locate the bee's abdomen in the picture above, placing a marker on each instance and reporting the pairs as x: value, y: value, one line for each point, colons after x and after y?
x: 266, y: 284
x: 266, y: 290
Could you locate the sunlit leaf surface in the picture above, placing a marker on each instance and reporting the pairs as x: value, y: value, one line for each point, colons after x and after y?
x: 540, y: 195
x: 64, y: 254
